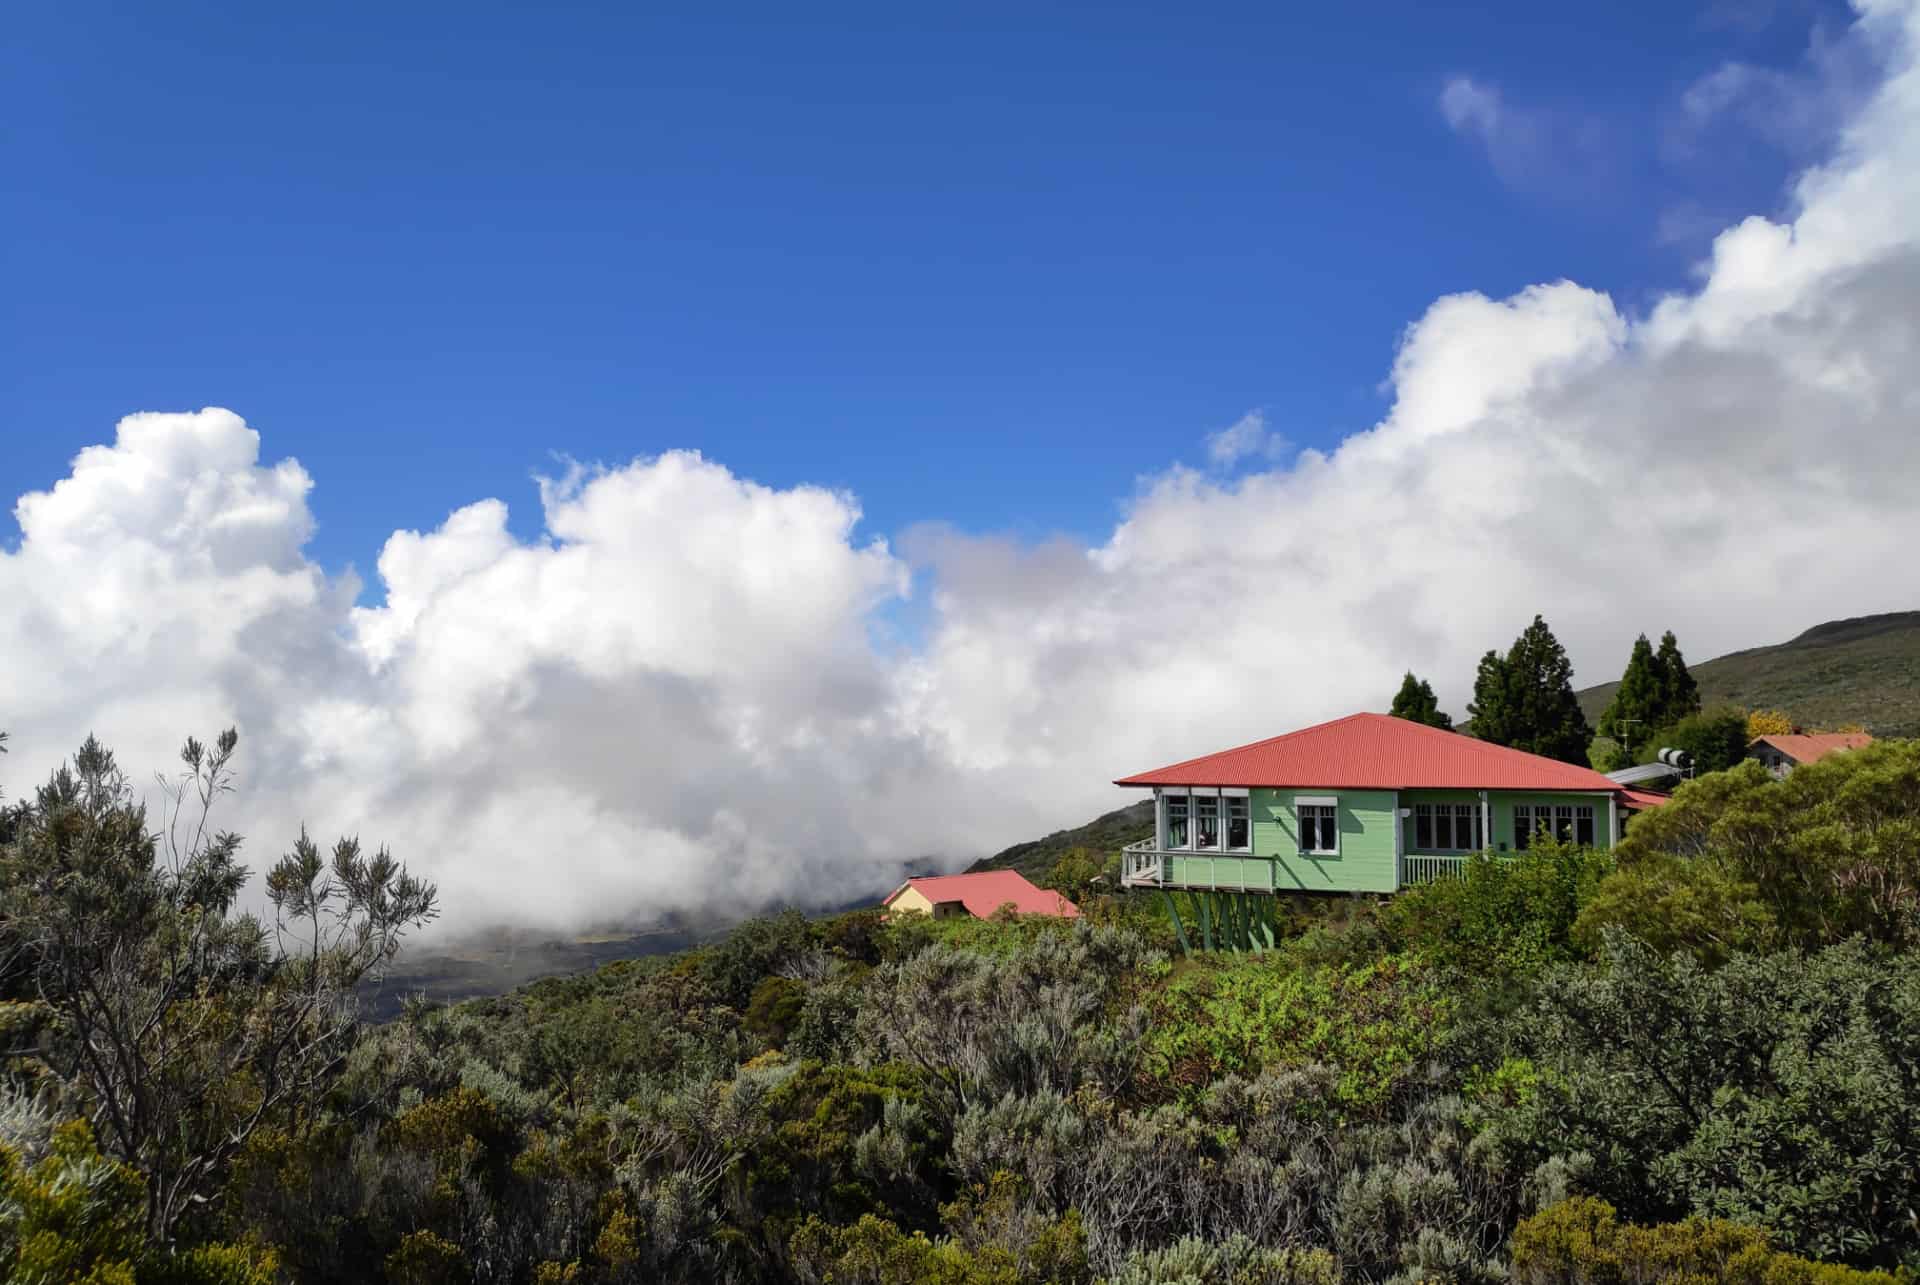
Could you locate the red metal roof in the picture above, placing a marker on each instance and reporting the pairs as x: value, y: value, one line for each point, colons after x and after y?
x: 1811, y: 748
x: 985, y: 891
x: 1377, y: 752
x: 1640, y: 800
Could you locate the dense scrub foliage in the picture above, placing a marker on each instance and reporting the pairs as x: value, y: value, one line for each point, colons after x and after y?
x: 1697, y: 1058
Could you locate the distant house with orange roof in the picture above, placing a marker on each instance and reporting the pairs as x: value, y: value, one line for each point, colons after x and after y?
x: 1781, y: 754
x: 979, y: 894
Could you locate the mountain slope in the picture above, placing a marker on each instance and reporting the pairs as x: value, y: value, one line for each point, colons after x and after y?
x: 1864, y: 670
x: 1102, y: 836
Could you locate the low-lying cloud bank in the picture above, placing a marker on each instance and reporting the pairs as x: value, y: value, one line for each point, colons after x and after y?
x: 677, y: 697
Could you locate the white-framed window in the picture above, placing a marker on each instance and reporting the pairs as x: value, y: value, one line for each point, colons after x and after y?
x: 1447, y: 827
x: 1209, y: 822
x: 1206, y: 821
x: 1319, y: 826
x: 1567, y: 822
x: 1239, y: 822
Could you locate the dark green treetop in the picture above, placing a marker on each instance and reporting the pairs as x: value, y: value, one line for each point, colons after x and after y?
x: 1416, y: 703
x: 1679, y: 693
x: 1639, y: 704
x: 1525, y: 700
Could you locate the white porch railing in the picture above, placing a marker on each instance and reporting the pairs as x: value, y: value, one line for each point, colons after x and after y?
x: 1428, y: 869
x: 1143, y: 865
x: 1140, y: 865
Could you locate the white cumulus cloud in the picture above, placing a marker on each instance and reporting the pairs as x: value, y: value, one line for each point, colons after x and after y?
x: 1246, y: 438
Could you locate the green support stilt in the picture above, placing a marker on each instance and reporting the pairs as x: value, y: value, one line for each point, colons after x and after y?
x: 1224, y: 921
x: 1179, y: 929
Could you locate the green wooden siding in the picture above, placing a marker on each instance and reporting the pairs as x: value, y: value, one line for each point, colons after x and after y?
x: 1365, y: 860
x: 1363, y: 864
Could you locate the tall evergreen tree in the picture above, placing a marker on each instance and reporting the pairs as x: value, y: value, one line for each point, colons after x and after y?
x: 1639, y: 704
x: 1489, y: 713
x: 1526, y: 699
x: 1416, y: 703
x: 1679, y: 693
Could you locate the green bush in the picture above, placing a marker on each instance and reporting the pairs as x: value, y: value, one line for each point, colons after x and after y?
x: 1672, y: 903
x: 1777, y: 1091
x: 873, y: 1251
x: 1832, y: 849
x: 1237, y: 1261
x: 1372, y: 1023
x: 1715, y: 738
x: 1582, y: 1240
x: 753, y: 951
x: 1508, y: 914
x: 79, y: 1218
x: 774, y: 1010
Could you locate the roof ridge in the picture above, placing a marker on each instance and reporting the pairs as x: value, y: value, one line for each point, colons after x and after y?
x: 1269, y: 740
x: 1368, y: 749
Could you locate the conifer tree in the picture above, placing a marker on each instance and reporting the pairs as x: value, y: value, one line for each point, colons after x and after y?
x: 1488, y: 716
x: 1525, y: 699
x: 1679, y: 693
x: 1416, y: 703
x: 1638, y: 706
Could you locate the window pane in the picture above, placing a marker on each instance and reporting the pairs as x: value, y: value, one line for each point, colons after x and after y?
x: 1563, y: 822
x: 1176, y: 820
x: 1522, y: 826
x: 1466, y: 822
x: 1583, y: 826
x: 1423, y: 825
x: 1239, y: 832
x: 1317, y: 832
x: 1206, y: 821
x: 1443, y: 827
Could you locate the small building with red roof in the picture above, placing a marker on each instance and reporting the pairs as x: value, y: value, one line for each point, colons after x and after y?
x: 979, y: 894
x: 1366, y: 803
x: 1781, y: 754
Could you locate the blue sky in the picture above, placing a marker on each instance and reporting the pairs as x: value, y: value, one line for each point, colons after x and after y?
x: 986, y: 267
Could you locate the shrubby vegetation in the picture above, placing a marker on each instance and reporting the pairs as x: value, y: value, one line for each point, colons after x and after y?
x: 1697, y: 1058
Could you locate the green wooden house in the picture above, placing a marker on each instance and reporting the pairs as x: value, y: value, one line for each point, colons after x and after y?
x: 1366, y: 803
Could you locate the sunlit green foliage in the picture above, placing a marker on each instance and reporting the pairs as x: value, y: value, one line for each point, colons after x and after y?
x: 75, y: 1217
x: 1582, y: 1240
x: 1713, y: 739
x: 1678, y: 904
x: 1512, y: 914
x: 1831, y: 850
x: 1232, y: 1016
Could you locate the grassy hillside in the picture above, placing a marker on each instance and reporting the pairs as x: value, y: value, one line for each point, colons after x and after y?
x: 1102, y: 835
x: 1865, y: 670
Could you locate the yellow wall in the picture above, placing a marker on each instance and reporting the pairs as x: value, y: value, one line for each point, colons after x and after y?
x: 910, y: 902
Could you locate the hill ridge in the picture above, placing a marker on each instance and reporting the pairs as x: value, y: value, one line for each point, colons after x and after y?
x: 1860, y: 669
